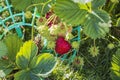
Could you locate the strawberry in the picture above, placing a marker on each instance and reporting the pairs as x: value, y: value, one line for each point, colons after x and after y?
x: 48, y: 14
x: 28, y: 14
x: 62, y: 46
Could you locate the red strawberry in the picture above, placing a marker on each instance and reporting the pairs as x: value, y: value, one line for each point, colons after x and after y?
x: 62, y: 46
x: 48, y: 14
x: 50, y: 23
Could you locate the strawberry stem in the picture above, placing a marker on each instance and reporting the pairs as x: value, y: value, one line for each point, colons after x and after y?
x: 32, y: 32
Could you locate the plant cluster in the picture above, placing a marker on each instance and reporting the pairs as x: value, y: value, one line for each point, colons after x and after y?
x: 94, y: 55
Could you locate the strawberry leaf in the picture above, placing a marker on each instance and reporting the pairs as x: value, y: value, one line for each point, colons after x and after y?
x: 21, y: 4
x: 26, y: 75
x: 27, y: 59
x: 97, y: 24
x: 26, y: 54
x: 43, y: 64
x: 98, y: 3
x: 6, y: 66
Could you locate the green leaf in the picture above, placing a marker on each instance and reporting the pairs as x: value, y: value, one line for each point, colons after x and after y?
x: 26, y: 54
x: 97, y: 24
x: 33, y: 67
x: 26, y: 75
x: 98, y: 3
x: 70, y: 12
x: 6, y: 66
x: 21, y: 4
x: 43, y: 64
x: 115, y: 69
x: 13, y: 44
x: 3, y: 49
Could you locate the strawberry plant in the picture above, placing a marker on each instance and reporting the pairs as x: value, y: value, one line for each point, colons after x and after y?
x: 84, y: 34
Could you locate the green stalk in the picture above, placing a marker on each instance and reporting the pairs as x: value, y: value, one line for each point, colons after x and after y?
x: 94, y: 43
x: 112, y: 7
x: 33, y: 5
x: 88, y: 61
x: 44, y: 6
x: 114, y: 38
x: 32, y: 32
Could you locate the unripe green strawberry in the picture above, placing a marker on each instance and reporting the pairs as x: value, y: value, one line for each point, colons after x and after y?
x: 40, y: 21
x: 75, y: 44
x: 51, y: 38
x: 54, y: 30
x: 28, y: 14
x: 111, y: 46
x: 79, y: 61
x: 94, y: 51
x: 69, y: 36
x: 43, y: 30
x: 51, y: 44
x: 62, y: 30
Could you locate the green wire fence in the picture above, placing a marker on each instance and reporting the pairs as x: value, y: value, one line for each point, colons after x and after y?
x: 15, y: 25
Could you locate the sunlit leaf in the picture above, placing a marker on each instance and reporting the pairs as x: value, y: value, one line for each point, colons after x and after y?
x: 26, y: 54
x: 43, y: 64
